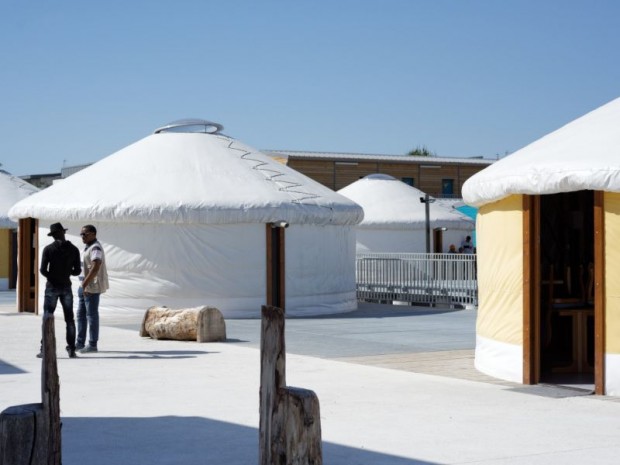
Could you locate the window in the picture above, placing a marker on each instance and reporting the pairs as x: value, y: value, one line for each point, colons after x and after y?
x: 408, y: 181
x: 447, y: 187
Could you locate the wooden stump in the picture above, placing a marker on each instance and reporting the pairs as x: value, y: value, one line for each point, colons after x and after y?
x: 289, y: 425
x: 202, y: 324
x: 30, y: 433
x: 296, y: 428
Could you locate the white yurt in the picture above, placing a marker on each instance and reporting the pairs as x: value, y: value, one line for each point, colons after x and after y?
x: 548, y: 257
x: 182, y: 216
x: 12, y: 190
x: 395, y: 218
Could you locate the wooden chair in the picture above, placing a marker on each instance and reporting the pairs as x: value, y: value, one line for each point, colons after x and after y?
x: 576, y: 306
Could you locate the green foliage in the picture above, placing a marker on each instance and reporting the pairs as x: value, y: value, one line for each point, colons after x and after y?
x: 421, y: 152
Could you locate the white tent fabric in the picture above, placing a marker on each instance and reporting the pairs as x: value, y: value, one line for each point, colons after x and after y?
x: 182, y: 219
x: 189, y: 178
x: 12, y: 190
x: 584, y: 154
x: 395, y: 219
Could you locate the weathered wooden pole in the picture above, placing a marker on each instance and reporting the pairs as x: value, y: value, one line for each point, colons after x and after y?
x: 30, y: 433
x: 289, y: 425
x: 50, y: 393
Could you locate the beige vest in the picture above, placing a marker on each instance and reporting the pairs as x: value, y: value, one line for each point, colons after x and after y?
x: 100, y: 284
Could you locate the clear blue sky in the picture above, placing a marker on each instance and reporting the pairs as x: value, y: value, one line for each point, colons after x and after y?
x: 80, y: 80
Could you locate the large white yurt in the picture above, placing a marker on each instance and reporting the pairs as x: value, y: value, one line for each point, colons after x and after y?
x: 548, y: 257
x: 12, y: 190
x: 182, y: 216
x: 395, y: 218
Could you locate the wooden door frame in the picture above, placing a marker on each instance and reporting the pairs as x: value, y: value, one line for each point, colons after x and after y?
x: 531, y: 290
x: 599, y: 292
x: 28, y: 265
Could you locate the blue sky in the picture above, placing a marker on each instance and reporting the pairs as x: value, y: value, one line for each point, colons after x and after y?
x: 80, y: 80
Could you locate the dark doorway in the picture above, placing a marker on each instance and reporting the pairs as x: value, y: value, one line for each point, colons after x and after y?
x: 438, y: 240
x: 567, y: 288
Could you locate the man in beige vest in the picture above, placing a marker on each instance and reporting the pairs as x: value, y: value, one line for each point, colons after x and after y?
x: 94, y: 283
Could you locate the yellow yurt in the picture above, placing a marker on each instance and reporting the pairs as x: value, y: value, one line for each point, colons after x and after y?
x: 549, y: 258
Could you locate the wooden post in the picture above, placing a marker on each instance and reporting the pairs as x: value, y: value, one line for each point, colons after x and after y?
x: 272, y: 376
x: 50, y: 393
x: 30, y: 433
x: 275, y: 248
x: 290, y: 425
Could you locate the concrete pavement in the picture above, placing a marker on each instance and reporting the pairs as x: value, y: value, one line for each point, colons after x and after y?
x: 140, y: 401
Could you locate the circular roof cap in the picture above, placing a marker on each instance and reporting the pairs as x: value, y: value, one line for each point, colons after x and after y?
x: 191, y: 125
x: 385, y: 177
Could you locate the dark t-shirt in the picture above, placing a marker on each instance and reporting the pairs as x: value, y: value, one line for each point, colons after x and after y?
x: 60, y: 260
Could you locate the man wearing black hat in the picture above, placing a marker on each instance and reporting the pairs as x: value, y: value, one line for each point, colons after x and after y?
x: 60, y: 260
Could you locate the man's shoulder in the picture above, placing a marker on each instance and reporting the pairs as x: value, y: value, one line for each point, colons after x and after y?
x: 72, y: 246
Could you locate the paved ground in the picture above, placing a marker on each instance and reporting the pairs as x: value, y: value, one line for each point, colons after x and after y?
x: 396, y: 386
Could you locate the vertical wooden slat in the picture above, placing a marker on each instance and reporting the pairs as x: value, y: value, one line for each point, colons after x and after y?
x: 276, y: 260
x: 268, y: 249
x: 282, y: 273
x: 24, y: 266
x: 531, y: 289
x: 599, y: 292
x: 35, y: 264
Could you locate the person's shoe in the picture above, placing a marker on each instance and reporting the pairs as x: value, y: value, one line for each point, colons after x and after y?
x: 79, y: 346
x: 40, y: 355
x: 71, y: 352
x: 88, y: 349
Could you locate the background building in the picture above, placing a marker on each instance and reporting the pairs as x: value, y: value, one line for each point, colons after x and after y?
x: 436, y: 176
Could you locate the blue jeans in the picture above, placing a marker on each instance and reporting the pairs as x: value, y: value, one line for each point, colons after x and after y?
x: 87, y: 317
x: 63, y: 293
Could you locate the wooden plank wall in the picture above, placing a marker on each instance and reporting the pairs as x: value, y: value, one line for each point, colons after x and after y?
x: 427, y: 176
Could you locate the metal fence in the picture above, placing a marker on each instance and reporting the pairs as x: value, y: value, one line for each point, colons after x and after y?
x: 417, y: 278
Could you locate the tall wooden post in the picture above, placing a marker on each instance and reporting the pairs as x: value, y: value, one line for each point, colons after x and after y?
x: 290, y: 423
x: 276, y: 295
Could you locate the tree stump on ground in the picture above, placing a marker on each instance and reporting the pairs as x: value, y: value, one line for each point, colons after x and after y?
x: 290, y: 423
x: 30, y: 433
x: 202, y: 324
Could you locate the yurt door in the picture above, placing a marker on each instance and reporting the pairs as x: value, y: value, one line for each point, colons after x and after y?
x: 27, y: 264
x: 562, y: 317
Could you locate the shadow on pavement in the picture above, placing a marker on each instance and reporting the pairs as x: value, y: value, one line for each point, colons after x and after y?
x: 145, y: 355
x: 381, y: 311
x: 8, y: 369
x: 184, y: 440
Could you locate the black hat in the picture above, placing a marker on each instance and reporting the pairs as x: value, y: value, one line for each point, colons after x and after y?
x: 56, y: 227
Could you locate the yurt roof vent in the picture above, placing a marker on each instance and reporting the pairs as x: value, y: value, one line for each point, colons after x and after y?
x: 191, y: 125
x: 381, y: 176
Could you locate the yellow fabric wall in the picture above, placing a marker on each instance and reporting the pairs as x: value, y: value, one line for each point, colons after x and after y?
x: 499, y: 236
x: 4, y: 252
x: 612, y: 272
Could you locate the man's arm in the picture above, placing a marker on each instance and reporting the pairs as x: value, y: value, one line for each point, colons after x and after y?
x: 45, y: 261
x: 76, y: 269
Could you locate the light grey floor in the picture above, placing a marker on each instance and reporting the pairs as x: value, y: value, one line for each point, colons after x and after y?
x: 143, y: 401
x: 373, y: 329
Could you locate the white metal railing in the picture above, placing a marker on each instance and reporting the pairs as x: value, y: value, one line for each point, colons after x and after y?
x: 434, y: 279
